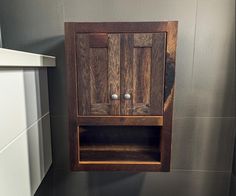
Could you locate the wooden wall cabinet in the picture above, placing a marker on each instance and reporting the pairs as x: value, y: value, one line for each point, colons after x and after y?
x: 121, y: 90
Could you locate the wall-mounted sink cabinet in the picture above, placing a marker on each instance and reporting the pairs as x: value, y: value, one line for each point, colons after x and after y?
x: 25, y: 135
x: 121, y: 90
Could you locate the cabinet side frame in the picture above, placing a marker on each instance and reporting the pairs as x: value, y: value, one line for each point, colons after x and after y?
x: 169, y: 87
x: 70, y: 49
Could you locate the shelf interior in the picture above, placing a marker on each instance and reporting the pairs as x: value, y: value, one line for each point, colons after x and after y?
x: 117, y: 144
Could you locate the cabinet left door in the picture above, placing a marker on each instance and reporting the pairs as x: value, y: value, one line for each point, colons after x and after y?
x: 98, y: 74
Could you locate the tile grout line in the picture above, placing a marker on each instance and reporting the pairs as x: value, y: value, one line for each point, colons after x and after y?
x: 199, y: 170
x: 182, y: 117
x: 172, y: 170
x: 203, y: 117
x: 22, y: 132
x: 194, y: 46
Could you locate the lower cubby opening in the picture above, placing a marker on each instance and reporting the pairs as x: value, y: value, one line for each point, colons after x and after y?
x: 119, y: 144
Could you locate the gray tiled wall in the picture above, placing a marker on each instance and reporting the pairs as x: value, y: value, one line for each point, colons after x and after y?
x: 204, y: 108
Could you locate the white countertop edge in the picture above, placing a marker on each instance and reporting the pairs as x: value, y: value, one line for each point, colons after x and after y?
x: 14, y: 58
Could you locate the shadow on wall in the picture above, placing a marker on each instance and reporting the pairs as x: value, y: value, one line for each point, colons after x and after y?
x: 98, y: 183
x: 105, y: 183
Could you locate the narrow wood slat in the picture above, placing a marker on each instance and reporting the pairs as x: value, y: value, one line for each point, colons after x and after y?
x: 121, y: 162
x: 141, y: 79
x: 126, y: 65
x: 78, y: 142
x: 70, y: 50
x: 120, y: 148
x: 166, y: 131
x: 83, y: 72
x: 142, y: 40
x: 157, y: 73
x: 114, y: 71
x: 90, y: 155
x: 122, y: 27
x: 98, y: 75
x: 121, y: 120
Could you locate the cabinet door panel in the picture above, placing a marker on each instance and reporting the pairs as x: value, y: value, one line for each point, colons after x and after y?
x: 98, y: 63
x: 142, y: 73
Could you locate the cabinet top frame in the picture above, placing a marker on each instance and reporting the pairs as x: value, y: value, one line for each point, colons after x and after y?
x: 170, y: 27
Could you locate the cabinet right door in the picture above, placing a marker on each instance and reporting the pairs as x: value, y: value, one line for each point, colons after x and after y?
x: 142, y: 64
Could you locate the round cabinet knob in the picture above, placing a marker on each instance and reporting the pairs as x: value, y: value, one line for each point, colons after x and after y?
x: 114, y: 96
x: 127, y: 96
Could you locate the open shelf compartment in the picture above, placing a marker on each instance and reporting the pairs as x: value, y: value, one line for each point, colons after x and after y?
x: 119, y: 145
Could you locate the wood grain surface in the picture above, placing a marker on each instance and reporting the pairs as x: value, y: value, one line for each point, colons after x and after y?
x: 121, y: 120
x: 126, y: 75
x: 114, y: 71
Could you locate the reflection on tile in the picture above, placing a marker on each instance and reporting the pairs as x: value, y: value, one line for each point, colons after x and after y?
x: 141, y: 184
x: 36, y: 94
x: 203, y: 144
x: 183, y: 101
x: 14, y: 168
x: 46, y: 141
x: 42, y: 90
x: 39, y: 149
x: 12, y: 105
x: 214, y: 75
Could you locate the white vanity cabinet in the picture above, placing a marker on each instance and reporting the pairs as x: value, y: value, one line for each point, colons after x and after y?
x: 25, y: 135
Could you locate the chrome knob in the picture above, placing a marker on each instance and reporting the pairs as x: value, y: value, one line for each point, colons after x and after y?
x: 114, y: 96
x: 127, y: 96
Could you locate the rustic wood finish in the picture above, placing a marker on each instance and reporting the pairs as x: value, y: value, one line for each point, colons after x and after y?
x: 70, y: 48
x: 157, y: 74
x: 141, y: 81
x: 98, y: 75
x: 121, y: 120
x: 98, y: 40
x: 83, y: 74
x: 126, y: 67
x: 114, y: 71
x: 129, y: 52
x: 142, y: 40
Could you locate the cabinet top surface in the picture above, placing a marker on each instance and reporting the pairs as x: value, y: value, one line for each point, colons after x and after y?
x: 14, y: 58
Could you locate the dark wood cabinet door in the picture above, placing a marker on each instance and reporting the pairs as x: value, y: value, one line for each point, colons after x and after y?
x: 142, y: 62
x: 98, y: 67
x: 129, y: 65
